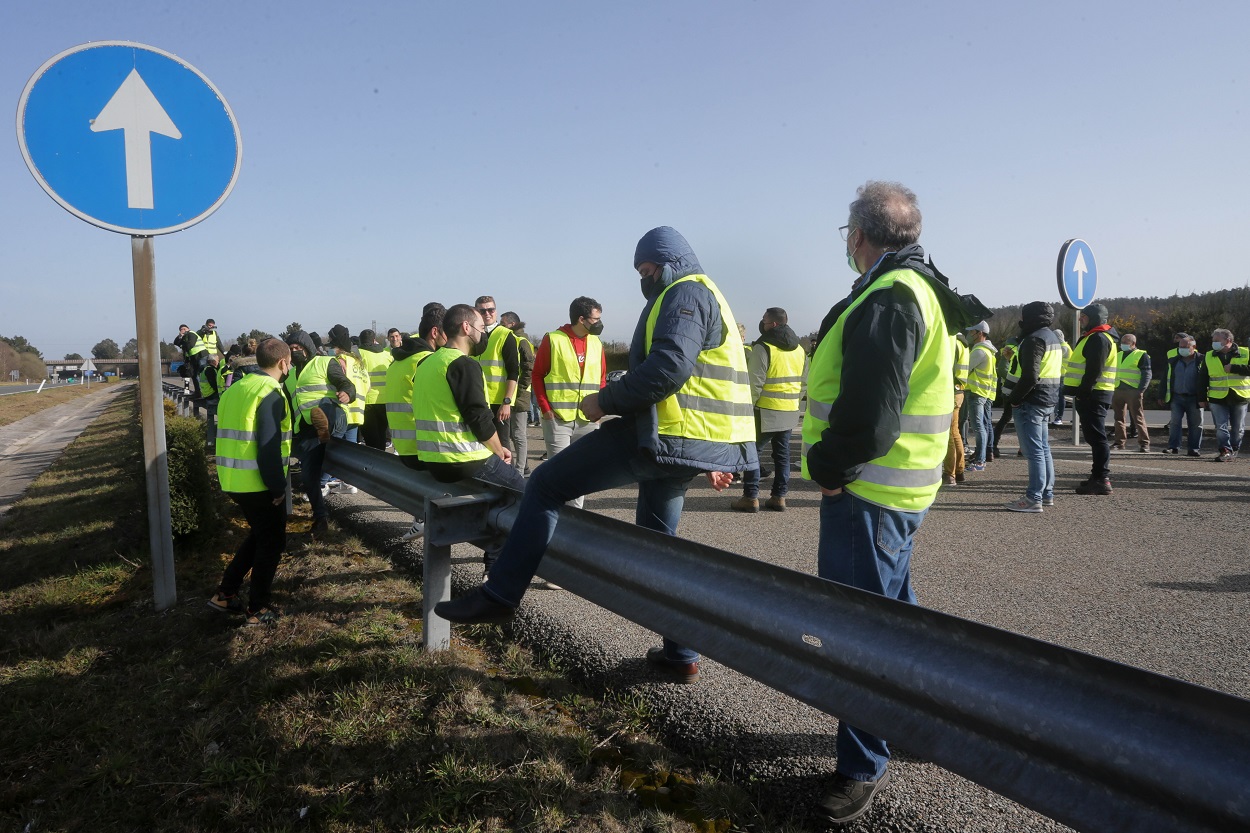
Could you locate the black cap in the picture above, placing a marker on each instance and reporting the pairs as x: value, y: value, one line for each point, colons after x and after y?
x: 341, y: 338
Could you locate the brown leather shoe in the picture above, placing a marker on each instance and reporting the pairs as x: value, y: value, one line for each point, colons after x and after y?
x: 776, y: 504
x: 320, y: 424
x: 680, y: 672
x: 745, y: 504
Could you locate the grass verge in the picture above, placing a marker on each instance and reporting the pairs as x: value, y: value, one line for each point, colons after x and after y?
x: 21, y: 405
x: 116, y: 718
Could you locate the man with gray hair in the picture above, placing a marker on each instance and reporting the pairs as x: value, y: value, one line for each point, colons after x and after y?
x: 875, y: 436
x: 1132, y: 378
x: 1227, y: 388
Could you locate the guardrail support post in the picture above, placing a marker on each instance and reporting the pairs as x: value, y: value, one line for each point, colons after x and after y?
x: 436, y: 587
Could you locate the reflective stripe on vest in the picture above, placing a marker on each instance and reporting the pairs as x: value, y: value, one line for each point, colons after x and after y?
x: 1127, y: 373
x: 441, y: 435
x: 355, y: 371
x: 237, y: 449
x: 197, y: 348
x: 311, y: 387
x: 211, y: 343
x: 1012, y: 376
x: 714, y: 404
x: 908, y: 475
x: 1220, y: 383
x: 398, y: 400
x: 961, y: 365
x: 375, y: 365
x: 1074, y: 370
x: 568, y: 381
x: 981, y: 380
x: 784, y: 384
x: 494, y: 372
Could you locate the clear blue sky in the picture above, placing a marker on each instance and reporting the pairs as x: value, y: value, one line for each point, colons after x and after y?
x: 401, y: 152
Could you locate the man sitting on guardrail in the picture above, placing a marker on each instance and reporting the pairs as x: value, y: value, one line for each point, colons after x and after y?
x: 875, y: 436
x: 685, y: 409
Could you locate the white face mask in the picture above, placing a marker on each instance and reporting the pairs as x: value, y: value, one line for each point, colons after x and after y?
x: 1217, y: 346
x: 1126, y: 347
x: 1184, y: 351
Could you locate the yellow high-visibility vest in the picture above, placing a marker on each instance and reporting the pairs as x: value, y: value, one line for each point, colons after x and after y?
x: 784, y: 384
x: 442, y: 435
x: 238, y: 469
x: 568, y: 381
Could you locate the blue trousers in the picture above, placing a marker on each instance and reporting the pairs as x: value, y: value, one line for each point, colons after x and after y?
x: 1185, y: 406
x: 312, y: 457
x: 866, y: 546
x: 605, y: 459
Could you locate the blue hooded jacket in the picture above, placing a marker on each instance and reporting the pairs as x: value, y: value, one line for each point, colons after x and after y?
x: 689, y: 321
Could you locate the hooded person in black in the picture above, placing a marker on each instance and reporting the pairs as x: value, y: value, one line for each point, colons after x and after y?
x: 1093, y: 352
x: 323, y: 421
x: 773, y: 425
x: 1032, y: 388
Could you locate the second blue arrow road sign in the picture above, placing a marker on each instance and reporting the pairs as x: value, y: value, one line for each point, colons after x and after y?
x: 1078, y: 274
x: 129, y: 137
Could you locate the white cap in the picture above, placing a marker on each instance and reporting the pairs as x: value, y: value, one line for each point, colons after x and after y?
x: 981, y: 326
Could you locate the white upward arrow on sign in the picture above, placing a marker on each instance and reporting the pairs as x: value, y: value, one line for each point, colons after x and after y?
x: 135, y: 111
x: 1080, y: 268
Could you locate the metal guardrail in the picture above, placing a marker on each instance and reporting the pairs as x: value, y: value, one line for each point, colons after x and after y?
x: 1092, y: 743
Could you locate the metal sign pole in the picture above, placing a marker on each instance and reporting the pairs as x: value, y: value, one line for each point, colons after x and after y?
x: 152, y: 407
x: 1076, y: 421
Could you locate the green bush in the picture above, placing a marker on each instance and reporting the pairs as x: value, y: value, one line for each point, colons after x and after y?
x: 190, y: 492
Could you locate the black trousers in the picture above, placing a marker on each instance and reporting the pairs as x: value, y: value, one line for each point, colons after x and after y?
x: 261, y: 549
x: 1092, y: 412
x: 373, y: 432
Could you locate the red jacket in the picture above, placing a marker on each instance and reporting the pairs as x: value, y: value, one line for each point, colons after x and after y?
x: 542, y: 365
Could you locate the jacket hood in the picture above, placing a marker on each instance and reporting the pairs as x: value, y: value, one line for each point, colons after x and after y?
x: 304, y: 340
x: 1034, y: 316
x: 781, y: 337
x: 410, y: 346
x: 664, y: 246
x: 1096, y: 314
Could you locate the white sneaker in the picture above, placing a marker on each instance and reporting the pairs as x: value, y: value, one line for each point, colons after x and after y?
x: 417, y: 530
x: 325, y: 490
x: 351, y: 490
x: 543, y: 584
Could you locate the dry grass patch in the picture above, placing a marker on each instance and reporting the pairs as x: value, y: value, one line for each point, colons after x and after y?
x: 335, y: 719
x: 21, y: 405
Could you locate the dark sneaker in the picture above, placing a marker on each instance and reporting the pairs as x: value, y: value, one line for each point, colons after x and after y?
x: 1194, y: 453
x: 775, y: 504
x: 1171, y: 451
x: 1225, y: 455
x: 960, y: 478
x: 265, y: 616
x: 745, y: 504
x: 680, y: 672
x: 849, y: 798
x: 1094, y: 487
x: 765, y: 473
x: 475, y: 608
x: 320, y: 529
x: 949, y: 480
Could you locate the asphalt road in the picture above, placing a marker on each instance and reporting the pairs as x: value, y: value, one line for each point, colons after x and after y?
x: 1155, y: 575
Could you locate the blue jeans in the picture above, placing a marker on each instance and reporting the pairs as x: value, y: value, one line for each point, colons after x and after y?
x: 1229, y: 414
x: 1033, y: 433
x: 866, y: 546
x: 1185, y: 405
x: 780, y: 443
x: 981, y: 421
x: 605, y: 459
x: 1059, y: 407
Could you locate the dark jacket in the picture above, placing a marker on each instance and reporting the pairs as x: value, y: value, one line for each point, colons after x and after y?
x: 1036, y: 336
x: 411, y: 345
x: 186, y: 341
x: 689, y: 321
x: 881, y: 341
x: 335, y: 374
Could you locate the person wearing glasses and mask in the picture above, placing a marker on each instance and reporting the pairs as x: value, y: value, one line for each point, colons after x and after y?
x: 685, y: 410
x: 500, y: 358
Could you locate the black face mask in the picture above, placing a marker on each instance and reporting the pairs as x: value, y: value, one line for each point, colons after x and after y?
x: 595, y: 329
x: 763, y: 329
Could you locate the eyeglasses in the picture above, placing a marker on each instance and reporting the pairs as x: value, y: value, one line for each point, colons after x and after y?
x: 845, y: 231
x: 485, y: 310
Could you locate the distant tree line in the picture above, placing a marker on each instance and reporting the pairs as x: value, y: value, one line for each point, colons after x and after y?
x: 18, y: 354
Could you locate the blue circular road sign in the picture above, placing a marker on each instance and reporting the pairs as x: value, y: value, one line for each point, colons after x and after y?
x: 129, y: 137
x: 1078, y: 274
